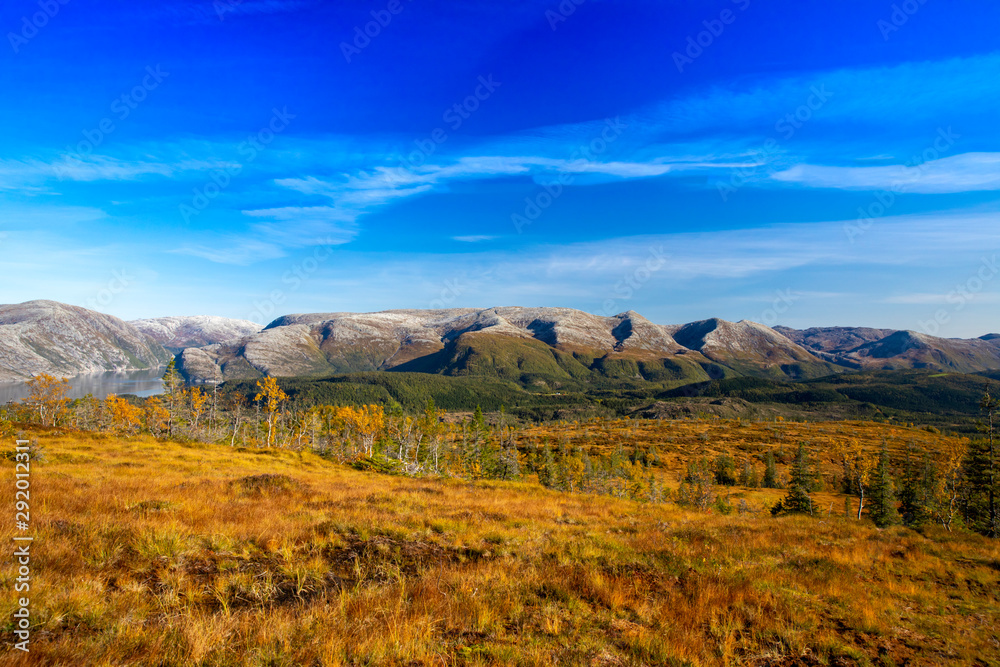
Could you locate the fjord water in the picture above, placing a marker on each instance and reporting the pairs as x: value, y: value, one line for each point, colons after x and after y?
x: 100, y: 385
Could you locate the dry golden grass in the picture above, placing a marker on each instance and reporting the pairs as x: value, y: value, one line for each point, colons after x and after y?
x: 679, y: 440
x: 158, y: 553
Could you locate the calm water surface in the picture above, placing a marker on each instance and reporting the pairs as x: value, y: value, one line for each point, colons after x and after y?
x: 140, y: 383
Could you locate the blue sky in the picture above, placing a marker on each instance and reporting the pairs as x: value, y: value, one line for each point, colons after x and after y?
x: 804, y: 164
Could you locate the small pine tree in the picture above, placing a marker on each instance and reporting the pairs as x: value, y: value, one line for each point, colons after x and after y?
x: 883, y: 500
x: 797, y: 500
x: 173, y: 385
x: 748, y: 475
x: 770, y: 472
x: 547, y: 467
x: 983, y: 472
x: 916, y: 494
x: 478, y: 421
x: 979, y: 489
x: 725, y: 470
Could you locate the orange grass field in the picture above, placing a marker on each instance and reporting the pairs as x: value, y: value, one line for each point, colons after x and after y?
x: 152, y: 552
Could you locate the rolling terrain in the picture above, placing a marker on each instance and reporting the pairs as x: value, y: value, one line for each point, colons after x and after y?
x: 949, y: 402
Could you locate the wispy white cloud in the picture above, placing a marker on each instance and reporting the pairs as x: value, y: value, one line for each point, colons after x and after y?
x: 232, y: 249
x: 220, y: 10
x: 39, y: 175
x: 47, y: 216
x: 967, y: 172
x: 278, y: 231
x: 694, y: 257
x: 298, y: 226
x: 932, y: 299
x: 360, y: 192
x: 475, y: 238
x: 908, y: 92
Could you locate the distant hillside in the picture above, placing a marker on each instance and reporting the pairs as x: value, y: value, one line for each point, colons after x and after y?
x: 946, y: 400
x: 50, y: 337
x: 835, y: 340
x: 178, y: 333
x: 859, y: 347
x: 548, y: 346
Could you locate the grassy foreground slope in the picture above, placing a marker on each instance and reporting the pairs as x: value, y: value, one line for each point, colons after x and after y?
x: 158, y: 553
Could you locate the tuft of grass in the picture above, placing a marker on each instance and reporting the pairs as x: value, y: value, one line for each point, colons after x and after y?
x: 147, y: 506
x: 267, y: 483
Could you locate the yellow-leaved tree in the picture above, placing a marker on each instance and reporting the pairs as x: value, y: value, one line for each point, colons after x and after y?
x: 48, y: 397
x: 157, y: 416
x: 948, y: 483
x: 125, y: 417
x: 271, y: 397
x: 368, y: 421
x: 198, y: 401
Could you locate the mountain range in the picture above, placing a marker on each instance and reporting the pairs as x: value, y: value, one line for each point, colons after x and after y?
x: 531, y: 344
x: 528, y: 345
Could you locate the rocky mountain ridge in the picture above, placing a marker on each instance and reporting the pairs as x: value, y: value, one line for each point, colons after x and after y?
x: 518, y: 343
x: 888, y: 349
x: 178, y: 333
x: 61, y: 340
